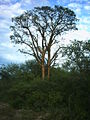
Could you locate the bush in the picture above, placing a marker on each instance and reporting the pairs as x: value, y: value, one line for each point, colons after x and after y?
x: 65, y: 95
x: 38, y: 95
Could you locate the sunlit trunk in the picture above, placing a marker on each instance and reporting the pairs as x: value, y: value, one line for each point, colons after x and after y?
x: 43, y: 72
x: 43, y: 67
x: 48, y: 64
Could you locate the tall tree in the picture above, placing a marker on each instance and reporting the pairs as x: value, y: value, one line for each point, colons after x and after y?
x: 38, y: 30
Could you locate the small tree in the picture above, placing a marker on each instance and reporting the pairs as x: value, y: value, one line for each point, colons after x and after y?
x: 78, y: 56
x: 38, y: 30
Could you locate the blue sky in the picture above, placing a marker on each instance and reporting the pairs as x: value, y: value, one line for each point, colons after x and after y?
x: 11, y: 8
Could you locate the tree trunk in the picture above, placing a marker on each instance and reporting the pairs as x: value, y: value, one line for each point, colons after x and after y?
x: 43, y: 67
x: 48, y: 64
x: 48, y: 72
x: 43, y: 72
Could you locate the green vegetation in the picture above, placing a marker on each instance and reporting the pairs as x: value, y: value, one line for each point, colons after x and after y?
x: 24, y: 96
x: 78, y: 56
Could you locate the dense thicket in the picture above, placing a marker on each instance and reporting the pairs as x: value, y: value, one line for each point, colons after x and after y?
x: 65, y: 97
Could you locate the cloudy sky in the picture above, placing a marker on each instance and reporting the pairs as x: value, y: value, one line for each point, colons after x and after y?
x: 10, y: 8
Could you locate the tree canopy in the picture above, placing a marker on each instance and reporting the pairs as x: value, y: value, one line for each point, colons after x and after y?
x: 39, y: 30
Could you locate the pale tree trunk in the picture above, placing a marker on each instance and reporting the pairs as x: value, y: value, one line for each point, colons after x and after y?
x: 43, y: 67
x: 48, y: 64
x: 48, y: 72
x: 43, y: 72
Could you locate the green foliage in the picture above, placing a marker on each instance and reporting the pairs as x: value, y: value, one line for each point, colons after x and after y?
x: 65, y: 96
x: 25, y: 71
x: 35, y: 95
x: 34, y: 67
x: 78, y: 56
x: 69, y: 97
x: 14, y: 73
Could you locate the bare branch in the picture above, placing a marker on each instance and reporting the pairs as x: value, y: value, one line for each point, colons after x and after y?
x: 55, y: 55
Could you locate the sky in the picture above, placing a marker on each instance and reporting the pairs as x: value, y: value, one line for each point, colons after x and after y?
x: 11, y: 8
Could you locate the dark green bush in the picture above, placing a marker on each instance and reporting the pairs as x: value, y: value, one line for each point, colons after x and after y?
x: 38, y: 95
x: 66, y: 95
x: 71, y: 96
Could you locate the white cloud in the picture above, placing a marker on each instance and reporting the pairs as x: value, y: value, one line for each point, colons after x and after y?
x: 34, y: 3
x: 85, y: 20
x: 5, y: 1
x: 4, y: 25
x: 14, y: 58
x: 83, y: 27
x: 6, y: 45
x: 79, y: 1
x: 87, y: 7
x: 79, y: 35
x: 6, y: 13
x: 78, y: 11
x: 10, y: 10
x: 26, y: 1
x: 88, y: 2
x: 74, y: 5
x: 11, y: 53
x: 61, y: 1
